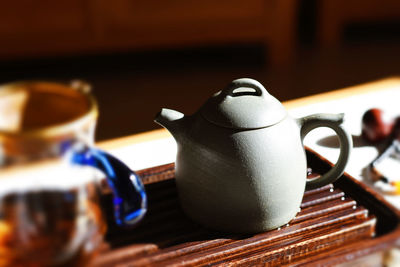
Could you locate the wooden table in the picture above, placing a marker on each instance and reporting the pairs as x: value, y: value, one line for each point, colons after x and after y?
x: 157, y: 147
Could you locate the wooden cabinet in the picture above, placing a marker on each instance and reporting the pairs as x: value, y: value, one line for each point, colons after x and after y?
x: 334, y: 15
x: 31, y: 28
x: 184, y: 20
x: 28, y: 17
x: 131, y: 14
x: 180, y: 23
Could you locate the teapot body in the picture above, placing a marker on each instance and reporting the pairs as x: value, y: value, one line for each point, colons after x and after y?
x: 241, y: 180
x: 241, y: 165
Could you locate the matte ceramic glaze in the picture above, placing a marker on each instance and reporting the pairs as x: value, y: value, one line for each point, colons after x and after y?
x: 245, y: 177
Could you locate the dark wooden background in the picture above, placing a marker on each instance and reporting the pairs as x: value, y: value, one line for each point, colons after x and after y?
x: 138, y: 65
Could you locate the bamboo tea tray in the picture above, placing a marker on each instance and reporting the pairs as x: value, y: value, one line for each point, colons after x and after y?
x: 337, y: 223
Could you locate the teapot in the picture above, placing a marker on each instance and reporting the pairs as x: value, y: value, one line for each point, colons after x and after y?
x: 241, y: 165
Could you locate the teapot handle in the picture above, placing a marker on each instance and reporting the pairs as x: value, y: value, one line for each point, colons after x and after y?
x: 259, y: 89
x: 332, y: 121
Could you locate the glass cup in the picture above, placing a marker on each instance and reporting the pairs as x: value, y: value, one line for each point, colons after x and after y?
x: 50, y: 212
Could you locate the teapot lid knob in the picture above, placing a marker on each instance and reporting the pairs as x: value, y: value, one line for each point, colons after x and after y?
x: 244, y: 86
x: 243, y: 104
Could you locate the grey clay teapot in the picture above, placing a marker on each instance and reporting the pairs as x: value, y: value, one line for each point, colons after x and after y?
x: 241, y: 165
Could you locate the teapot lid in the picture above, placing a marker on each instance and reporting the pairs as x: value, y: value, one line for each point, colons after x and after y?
x: 244, y: 104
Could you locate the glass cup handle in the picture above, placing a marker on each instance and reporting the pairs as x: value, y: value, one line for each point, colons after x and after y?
x: 129, y: 196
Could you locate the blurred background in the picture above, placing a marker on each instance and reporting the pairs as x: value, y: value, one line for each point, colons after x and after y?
x: 142, y: 55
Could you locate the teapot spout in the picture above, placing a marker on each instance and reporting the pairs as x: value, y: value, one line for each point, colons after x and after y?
x: 172, y: 120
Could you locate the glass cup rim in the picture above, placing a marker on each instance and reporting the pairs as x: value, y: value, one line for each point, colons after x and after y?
x: 56, y: 129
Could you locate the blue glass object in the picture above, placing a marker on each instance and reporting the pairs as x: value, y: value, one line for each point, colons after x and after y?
x: 129, y: 197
